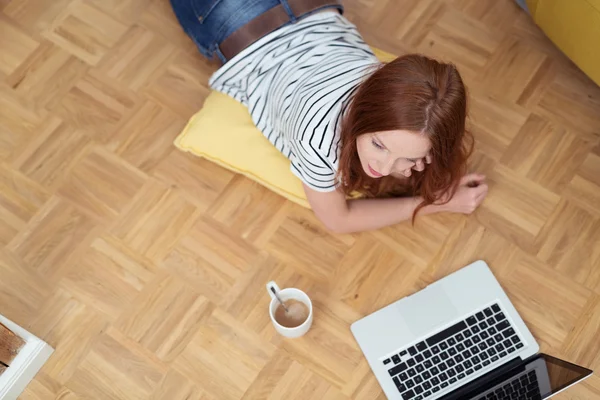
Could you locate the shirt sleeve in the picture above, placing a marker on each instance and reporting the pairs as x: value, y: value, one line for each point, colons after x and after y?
x: 312, y: 167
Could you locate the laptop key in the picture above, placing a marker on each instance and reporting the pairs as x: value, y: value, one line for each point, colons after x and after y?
x: 418, y: 390
x: 442, y: 366
x: 460, y: 347
x: 452, y: 351
x: 444, y: 384
x: 490, y: 342
x: 435, y: 381
x: 420, y: 397
x: 491, y: 351
x: 387, y: 361
x: 397, y: 369
x: 410, y: 383
x: 421, y: 346
x: 468, y: 343
x: 460, y: 337
x: 483, y: 325
x: 427, y: 385
x: 418, y: 379
x: 436, y: 359
x: 469, y: 371
x: 486, y: 363
x: 475, y: 329
x: 446, y: 333
x: 451, y: 341
x: 484, y: 335
x: 471, y: 321
x: 443, y: 345
x: 435, y: 349
x: 492, y: 331
x: 459, y: 368
x: 499, y: 347
x: 427, y: 354
x: 434, y: 371
x: 461, y: 376
x: 443, y: 377
x: 507, y: 343
x: 427, y: 393
x: 411, y: 362
x: 403, y: 376
x: 515, y: 339
x: 403, y: 353
x: 419, y: 358
x: 477, y: 367
x: 468, y: 364
x: 467, y: 333
x: 458, y: 358
x: 427, y: 364
x: 488, y: 312
x: 412, y: 350
x: 480, y: 316
x: 408, y: 395
x: 426, y: 375
x: 435, y: 389
x: 496, y: 308
x: 483, y: 356
x: 395, y: 359
x: 498, y: 337
x: 482, y: 346
x: 451, y: 372
x: 412, y: 372
x: 495, y: 358
x: 450, y: 363
x: 476, y: 339
x: 519, y: 345
x: 399, y: 384
x: 444, y: 355
x: 453, y: 380
x: 466, y: 354
x: 500, y: 316
x: 503, y: 354
x: 511, y: 350
x: 502, y: 325
x: 420, y: 368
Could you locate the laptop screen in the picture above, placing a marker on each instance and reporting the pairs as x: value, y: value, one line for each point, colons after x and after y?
x: 539, y: 378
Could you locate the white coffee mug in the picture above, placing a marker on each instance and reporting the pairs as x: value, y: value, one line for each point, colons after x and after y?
x: 289, y: 294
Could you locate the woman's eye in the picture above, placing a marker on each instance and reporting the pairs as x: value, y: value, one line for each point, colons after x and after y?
x: 377, y: 145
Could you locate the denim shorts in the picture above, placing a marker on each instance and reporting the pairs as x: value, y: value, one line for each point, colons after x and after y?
x: 210, y: 22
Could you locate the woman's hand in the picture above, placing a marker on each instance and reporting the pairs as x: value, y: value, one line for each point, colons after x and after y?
x: 419, y: 166
x: 469, y: 195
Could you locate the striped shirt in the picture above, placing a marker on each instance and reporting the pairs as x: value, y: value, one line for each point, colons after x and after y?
x: 297, y: 82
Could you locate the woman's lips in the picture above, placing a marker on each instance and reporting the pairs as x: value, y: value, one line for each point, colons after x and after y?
x: 374, y: 173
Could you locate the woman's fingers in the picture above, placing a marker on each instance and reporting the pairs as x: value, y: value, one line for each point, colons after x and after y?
x: 428, y: 158
x: 407, y: 172
x: 419, y: 165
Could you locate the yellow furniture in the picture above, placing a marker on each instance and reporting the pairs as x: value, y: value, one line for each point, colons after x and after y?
x: 574, y: 27
x: 223, y: 132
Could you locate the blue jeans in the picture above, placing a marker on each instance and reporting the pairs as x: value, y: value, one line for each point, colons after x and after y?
x: 210, y: 22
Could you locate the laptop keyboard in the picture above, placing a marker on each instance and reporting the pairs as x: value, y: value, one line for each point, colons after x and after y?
x: 524, y: 387
x: 450, y: 356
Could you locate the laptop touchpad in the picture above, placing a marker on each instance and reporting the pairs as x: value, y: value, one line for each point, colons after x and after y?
x: 427, y: 309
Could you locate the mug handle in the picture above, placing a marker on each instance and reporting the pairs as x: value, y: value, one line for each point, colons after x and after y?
x: 272, y: 285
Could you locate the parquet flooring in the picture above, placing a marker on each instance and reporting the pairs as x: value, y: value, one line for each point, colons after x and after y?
x: 145, y: 267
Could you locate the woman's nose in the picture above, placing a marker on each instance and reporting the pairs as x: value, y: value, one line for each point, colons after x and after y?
x: 386, y: 167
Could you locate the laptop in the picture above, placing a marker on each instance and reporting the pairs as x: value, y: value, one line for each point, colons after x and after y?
x: 460, y: 338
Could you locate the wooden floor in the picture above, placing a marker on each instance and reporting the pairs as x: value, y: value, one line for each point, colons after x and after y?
x: 145, y: 267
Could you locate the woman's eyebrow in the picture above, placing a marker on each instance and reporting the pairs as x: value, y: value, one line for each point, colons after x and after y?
x: 380, y: 141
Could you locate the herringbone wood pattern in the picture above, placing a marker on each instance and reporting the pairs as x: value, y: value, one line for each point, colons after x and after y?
x: 145, y: 267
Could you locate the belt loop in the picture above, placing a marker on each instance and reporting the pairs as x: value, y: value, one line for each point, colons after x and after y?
x: 220, y: 55
x: 288, y: 10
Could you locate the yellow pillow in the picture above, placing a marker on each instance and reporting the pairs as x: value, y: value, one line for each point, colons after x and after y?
x: 223, y: 132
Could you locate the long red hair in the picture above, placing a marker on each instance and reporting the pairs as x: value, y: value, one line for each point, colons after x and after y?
x: 417, y: 94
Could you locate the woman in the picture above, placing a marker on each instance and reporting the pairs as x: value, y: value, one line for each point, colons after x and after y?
x: 394, y: 132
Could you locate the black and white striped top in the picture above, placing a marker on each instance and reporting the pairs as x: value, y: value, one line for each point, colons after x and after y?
x: 296, y: 83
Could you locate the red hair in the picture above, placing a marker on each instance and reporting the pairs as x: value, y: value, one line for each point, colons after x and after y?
x: 417, y: 94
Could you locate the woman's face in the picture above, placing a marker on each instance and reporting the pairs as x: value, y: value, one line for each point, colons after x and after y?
x: 391, y: 152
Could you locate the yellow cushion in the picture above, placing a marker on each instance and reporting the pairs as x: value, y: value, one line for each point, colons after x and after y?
x: 223, y: 132
x: 574, y: 27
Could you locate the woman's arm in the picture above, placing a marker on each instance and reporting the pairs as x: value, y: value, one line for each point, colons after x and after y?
x: 346, y: 216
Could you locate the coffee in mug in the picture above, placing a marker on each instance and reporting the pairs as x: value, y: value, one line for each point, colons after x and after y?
x: 296, y: 313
